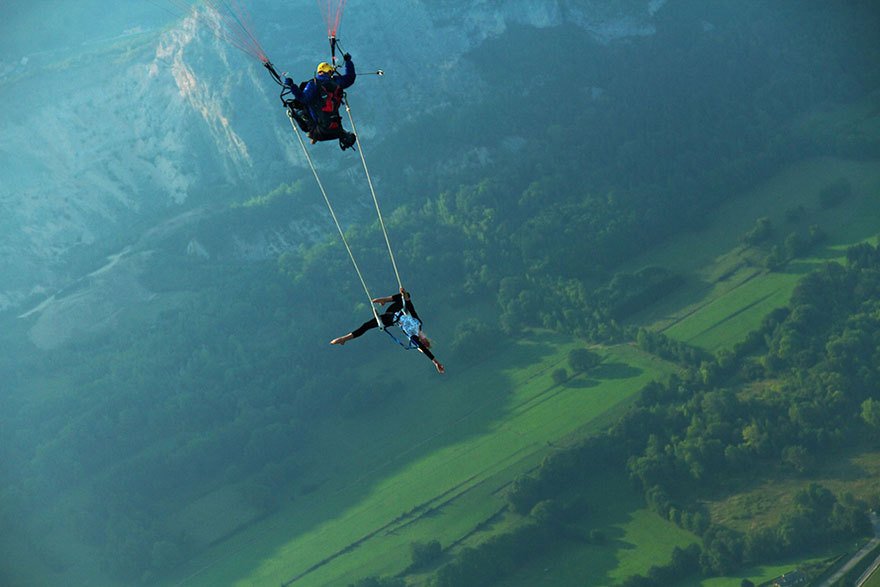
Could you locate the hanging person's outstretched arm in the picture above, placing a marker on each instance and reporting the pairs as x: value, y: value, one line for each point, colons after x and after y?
x: 423, y: 348
x: 421, y: 342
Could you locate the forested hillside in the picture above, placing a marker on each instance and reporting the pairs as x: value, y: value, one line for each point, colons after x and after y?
x: 510, y: 212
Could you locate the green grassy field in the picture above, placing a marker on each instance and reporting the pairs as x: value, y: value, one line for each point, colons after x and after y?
x: 873, y: 580
x: 637, y: 539
x: 727, y: 290
x: 762, y: 573
x: 727, y: 319
x: 429, y: 468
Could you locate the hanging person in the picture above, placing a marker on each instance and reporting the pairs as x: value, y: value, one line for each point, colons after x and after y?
x: 400, y: 313
x: 316, y: 103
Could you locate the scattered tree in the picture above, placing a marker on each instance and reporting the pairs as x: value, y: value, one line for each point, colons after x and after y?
x: 425, y: 553
x: 582, y: 360
x: 560, y: 376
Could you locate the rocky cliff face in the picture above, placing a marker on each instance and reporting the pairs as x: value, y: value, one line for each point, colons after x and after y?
x: 103, y: 141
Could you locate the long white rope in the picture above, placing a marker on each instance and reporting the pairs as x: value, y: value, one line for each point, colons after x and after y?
x: 333, y: 215
x: 373, y: 192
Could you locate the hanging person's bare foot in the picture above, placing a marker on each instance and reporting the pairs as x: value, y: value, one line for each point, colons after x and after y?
x: 342, y: 339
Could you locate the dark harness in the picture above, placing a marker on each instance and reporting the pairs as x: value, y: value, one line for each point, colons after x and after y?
x: 325, y: 110
x: 322, y: 115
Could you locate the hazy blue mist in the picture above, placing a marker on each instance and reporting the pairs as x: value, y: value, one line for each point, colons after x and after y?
x: 169, y: 276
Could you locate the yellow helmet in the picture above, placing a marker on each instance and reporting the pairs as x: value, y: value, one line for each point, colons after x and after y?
x: 325, y: 68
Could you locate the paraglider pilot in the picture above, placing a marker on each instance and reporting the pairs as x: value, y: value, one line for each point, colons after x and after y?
x: 316, y: 103
x: 400, y: 313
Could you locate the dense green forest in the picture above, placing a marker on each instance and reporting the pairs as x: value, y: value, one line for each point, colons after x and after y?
x: 598, y: 153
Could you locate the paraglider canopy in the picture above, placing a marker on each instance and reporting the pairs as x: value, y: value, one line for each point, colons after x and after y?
x: 332, y: 11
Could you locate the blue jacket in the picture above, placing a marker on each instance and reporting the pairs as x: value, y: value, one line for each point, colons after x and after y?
x: 310, y: 94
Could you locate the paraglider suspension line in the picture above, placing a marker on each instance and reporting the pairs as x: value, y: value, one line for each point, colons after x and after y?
x: 373, y: 192
x: 335, y: 220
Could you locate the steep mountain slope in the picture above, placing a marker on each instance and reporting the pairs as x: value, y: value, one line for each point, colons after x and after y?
x: 137, y: 124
